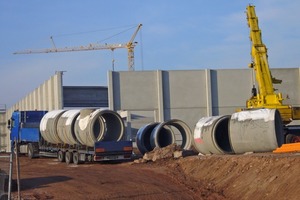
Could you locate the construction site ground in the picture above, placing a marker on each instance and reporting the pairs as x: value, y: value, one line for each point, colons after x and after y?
x: 250, y: 176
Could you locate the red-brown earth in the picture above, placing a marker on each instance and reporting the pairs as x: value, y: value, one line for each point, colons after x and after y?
x: 252, y: 176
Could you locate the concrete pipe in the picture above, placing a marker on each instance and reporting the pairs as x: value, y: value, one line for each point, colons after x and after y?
x: 65, y: 127
x: 98, y: 125
x: 256, y: 131
x: 143, y: 137
x: 88, y: 128
x: 164, y: 134
x: 114, y: 125
x: 211, y: 135
x: 48, y: 126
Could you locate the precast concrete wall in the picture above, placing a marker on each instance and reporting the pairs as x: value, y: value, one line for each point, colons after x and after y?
x: 155, y: 96
x: 188, y: 95
x: 48, y: 96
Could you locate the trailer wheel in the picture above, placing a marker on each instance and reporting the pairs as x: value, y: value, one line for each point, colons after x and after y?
x: 290, y: 138
x: 30, y: 151
x: 61, y: 156
x: 90, y: 158
x: 69, y: 157
x: 76, y: 160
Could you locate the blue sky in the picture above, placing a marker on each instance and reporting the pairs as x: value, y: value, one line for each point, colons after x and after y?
x: 176, y: 35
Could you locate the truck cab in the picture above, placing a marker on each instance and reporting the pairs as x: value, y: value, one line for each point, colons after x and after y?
x: 24, y: 128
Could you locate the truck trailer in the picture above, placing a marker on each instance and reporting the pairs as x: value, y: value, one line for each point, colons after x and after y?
x: 73, y: 136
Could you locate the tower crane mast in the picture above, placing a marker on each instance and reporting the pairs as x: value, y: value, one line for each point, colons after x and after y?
x: 129, y: 46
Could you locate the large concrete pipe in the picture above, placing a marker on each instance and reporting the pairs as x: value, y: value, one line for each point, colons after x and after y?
x: 161, y: 137
x: 98, y: 125
x: 65, y: 127
x: 48, y: 126
x: 143, y: 137
x: 114, y: 125
x: 256, y: 131
x: 88, y: 128
x: 211, y: 135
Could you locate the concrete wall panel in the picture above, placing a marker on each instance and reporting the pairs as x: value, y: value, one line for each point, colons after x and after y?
x: 230, y: 89
x: 134, y: 90
x: 290, y: 84
x: 184, y: 89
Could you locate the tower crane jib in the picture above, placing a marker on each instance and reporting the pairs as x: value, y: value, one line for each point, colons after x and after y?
x: 129, y: 46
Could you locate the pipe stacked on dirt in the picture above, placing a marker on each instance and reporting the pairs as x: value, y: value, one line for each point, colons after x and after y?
x: 163, y: 134
x: 246, y: 131
x: 84, y: 127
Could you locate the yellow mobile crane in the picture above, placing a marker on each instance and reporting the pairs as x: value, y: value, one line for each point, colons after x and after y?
x: 265, y: 96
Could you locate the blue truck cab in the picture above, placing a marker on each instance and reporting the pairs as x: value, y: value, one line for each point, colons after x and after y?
x: 24, y: 126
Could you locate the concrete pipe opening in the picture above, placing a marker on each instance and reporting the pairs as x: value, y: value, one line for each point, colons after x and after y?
x: 162, y: 138
x: 114, y: 125
x: 172, y: 131
x: 65, y: 127
x: 221, y: 134
x: 143, y: 137
x: 89, y: 127
x: 211, y: 135
x: 256, y: 131
x: 48, y: 126
x: 98, y: 125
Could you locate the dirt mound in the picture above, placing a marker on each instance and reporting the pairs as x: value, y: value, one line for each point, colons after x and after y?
x: 247, y: 176
x: 255, y: 176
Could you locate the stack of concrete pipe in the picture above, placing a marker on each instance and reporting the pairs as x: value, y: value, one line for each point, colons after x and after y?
x: 84, y: 127
x: 246, y: 131
x: 163, y: 134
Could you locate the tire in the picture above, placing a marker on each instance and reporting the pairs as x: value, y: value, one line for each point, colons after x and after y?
x: 61, y: 156
x: 31, y: 151
x: 290, y: 138
x: 3, y: 196
x: 90, y: 158
x: 76, y: 160
x: 69, y: 157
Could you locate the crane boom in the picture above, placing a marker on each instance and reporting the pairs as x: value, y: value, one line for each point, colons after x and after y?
x: 266, y: 96
x: 129, y: 45
x: 69, y: 49
x: 259, y: 55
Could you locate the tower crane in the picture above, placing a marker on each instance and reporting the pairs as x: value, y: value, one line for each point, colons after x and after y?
x: 129, y: 46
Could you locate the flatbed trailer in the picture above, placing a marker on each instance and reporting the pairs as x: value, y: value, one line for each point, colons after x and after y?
x: 25, y: 133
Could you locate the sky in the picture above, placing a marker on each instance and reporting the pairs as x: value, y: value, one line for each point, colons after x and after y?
x: 176, y: 35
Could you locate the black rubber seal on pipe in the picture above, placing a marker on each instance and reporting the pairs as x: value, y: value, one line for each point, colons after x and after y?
x: 143, y: 137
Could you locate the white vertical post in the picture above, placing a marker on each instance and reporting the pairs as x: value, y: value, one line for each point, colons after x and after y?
x: 160, y: 97
x: 208, y: 93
